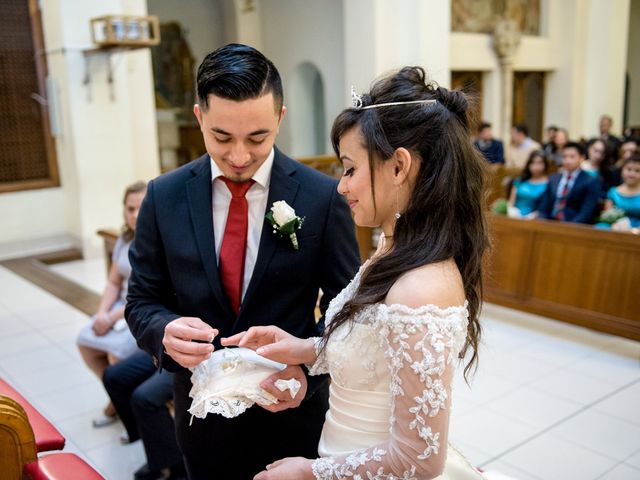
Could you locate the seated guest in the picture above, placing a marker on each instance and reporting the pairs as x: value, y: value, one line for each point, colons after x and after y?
x: 629, y: 147
x: 490, y: 147
x: 571, y: 195
x: 613, y: 142
x: 521, y: 146
x: 549, y: 135
x: 553, y: 150
x: 107, y: 339
x: 598, y: 164
x: 529, y: 186
x: 626, y: 197
x: 140, y: 396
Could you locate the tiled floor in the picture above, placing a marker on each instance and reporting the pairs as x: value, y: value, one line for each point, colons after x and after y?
x: 550, y: 401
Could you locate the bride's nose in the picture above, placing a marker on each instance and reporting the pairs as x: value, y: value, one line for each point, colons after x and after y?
x: 342, y: 186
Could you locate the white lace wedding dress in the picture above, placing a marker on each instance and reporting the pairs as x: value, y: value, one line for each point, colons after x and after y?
x: 391, y: 372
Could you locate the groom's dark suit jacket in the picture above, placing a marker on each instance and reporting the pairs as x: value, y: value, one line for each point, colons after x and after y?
x: 175, y: 274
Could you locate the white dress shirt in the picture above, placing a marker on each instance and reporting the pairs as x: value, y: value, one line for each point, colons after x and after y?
x: 563, y: 181
x: 257, y: 197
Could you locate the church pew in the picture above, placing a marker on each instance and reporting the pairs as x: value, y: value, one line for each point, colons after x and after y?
x: 18, y: 453
x: 47, y: 437
x: 566, y: 271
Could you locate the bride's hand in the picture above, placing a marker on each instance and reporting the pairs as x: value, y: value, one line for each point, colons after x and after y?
x: 275, y: 344
x: 292, y: 468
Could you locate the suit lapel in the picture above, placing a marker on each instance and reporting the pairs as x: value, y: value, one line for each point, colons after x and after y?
x: 576, y: 184
x: 281, y: 187
x: 199, y: 197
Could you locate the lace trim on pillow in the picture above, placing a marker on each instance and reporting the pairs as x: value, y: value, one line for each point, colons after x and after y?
x: 227, y: 408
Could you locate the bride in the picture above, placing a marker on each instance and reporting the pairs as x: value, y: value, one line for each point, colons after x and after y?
x: 394, y: 333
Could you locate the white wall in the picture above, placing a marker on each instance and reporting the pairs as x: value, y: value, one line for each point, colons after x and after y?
x: 203, y: 21
x: 589, y: 39
x: 105, y: 144
x: 299, y: 31
x: 307, y: 120
x: 582, y: 48
x: 381, y: 36
x: 608, y: 24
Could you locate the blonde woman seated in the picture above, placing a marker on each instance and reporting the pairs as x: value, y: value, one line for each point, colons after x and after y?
x: 394, y: 334
x: 528, y: 188
x: 107, y: 339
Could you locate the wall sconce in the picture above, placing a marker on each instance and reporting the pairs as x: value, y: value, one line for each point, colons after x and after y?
x: 125, y: 31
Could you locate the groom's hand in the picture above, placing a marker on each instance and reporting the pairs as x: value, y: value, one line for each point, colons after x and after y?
x: 188, y: 341
x: 284, y: 398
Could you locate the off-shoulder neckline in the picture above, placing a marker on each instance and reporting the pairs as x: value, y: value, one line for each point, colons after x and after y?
x: 427, y: 308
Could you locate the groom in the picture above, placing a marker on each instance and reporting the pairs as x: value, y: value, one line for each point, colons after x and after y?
x: 206, y: 263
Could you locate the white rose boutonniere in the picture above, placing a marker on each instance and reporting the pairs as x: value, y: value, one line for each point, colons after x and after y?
x: 284, y: 221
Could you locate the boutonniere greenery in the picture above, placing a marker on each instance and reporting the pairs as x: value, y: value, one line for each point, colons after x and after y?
x: 284, y: 221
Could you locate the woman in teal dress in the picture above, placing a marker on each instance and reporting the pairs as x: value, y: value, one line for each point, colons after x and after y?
x: 625, y: 197
x: 529, y: 187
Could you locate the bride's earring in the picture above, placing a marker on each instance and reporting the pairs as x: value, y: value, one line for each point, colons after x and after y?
x: 397, y: 214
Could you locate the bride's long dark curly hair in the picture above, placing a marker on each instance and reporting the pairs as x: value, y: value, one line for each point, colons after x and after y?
x: 444, y: 217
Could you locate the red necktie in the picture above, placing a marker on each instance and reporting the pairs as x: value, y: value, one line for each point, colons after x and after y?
x: 234, y: 242
x: 562, y: 199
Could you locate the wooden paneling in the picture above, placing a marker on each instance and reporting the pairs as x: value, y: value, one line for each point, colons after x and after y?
x: 471, y: 84
x: 528, y: 101
x: 35, y: 270
x: 570, y: 272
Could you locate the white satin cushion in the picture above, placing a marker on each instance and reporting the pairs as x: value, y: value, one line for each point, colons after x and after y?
x: 229, y: 382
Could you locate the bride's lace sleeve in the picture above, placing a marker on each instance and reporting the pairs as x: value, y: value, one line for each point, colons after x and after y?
x: 320, y: 366
x: 421, y: 346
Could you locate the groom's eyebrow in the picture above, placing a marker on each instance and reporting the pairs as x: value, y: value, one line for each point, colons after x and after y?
x: 261, y: 131
x: 344, y: 157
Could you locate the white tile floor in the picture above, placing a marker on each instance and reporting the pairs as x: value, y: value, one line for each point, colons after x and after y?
x: 550, y: 401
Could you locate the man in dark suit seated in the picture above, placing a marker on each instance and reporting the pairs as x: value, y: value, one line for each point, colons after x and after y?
x: 206, y: 264
x: 490, y: 147
x: 571, y: 195
x: 140, y: 395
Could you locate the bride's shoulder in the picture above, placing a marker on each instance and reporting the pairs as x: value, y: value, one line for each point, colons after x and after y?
x: 438, y: 284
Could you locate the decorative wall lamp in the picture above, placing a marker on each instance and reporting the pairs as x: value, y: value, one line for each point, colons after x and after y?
x: 114, y: 33
x: 125, y: 31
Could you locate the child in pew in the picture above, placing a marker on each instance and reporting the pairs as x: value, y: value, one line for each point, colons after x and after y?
x: 107, y: 339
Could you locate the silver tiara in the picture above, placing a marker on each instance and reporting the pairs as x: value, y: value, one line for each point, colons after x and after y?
x: 356, y: 101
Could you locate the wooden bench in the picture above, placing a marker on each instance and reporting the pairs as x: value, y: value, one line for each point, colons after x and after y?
x: 567, y: 271
x: 46, y: 436
x: 18, y: 452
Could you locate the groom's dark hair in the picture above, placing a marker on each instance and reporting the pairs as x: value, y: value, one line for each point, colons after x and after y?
x: 238, y: 72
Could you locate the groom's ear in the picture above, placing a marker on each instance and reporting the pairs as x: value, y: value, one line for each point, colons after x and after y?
x: 283, y: 112
x: 198, y: 113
